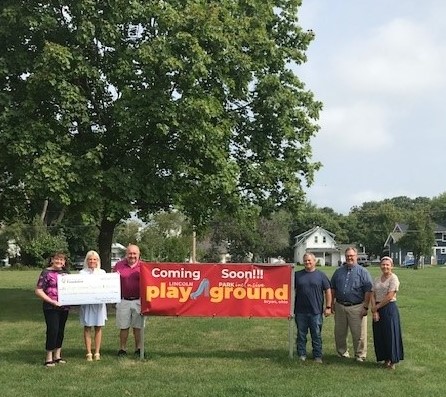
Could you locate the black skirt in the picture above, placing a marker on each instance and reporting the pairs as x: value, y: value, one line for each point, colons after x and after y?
x: 387, y: 337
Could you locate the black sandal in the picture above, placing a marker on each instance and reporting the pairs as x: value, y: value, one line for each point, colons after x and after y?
x: 60, y: 361
x: 49, y: 364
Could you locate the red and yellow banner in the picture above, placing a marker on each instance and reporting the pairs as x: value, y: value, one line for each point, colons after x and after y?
x: 211, y: 289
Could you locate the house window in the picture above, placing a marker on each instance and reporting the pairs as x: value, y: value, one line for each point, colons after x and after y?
x: 443, y: 250
x: 315, y: 239
x: 324, y: 239
x: 444, y: 236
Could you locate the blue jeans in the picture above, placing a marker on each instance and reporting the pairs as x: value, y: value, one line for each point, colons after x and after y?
x: 312, y: 322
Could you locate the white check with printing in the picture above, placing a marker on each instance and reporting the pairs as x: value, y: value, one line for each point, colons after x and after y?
x: 84, y: 289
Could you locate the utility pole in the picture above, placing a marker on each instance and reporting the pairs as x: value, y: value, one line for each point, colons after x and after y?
x: 194, y: 245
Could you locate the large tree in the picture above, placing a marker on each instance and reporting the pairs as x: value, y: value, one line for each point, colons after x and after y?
x: 438, y: 209
x: 310, y: 216
x: 249, y: 236
x: 111, y: 106
x: 373, y: 221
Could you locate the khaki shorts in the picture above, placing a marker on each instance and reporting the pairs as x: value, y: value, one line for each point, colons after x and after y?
x: 128, y: 314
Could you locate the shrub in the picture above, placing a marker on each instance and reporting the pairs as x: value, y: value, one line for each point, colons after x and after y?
x: 37, y: 251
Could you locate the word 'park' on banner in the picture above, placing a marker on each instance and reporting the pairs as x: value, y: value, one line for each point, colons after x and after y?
x: 211, y: 289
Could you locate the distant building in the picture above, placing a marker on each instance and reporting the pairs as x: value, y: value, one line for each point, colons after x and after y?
x: 321, y: 243
x: 404, y: 257
x: 12, y: 254
x: 117, y: 253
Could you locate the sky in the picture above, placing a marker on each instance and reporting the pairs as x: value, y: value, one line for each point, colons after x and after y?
x: 379, y: 69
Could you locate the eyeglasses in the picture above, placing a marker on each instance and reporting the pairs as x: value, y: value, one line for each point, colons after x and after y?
x: 350, y: 256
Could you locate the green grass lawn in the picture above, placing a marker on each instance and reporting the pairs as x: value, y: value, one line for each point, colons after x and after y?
x: 219, y: 356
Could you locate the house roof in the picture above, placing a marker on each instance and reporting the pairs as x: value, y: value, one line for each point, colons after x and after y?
x: 400, y: 230
x: 393, y: 237
x: 304, y: 235
x: 439, y: 228
x: 403, y: 227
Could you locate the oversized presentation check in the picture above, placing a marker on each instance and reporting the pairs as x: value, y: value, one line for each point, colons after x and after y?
x: 83, y: 289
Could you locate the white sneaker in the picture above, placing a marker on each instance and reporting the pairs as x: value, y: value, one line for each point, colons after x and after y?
x: 318, y: 360
x: 302, y: 358
x: 360, y: 359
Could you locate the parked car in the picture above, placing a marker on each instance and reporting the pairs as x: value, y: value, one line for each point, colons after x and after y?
x: 114, y: 261
x: 408, y: 261
x: 78, y: 263
x: 363, y: 260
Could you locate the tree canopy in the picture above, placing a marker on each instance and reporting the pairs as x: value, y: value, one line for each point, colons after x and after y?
x: 111, y: 106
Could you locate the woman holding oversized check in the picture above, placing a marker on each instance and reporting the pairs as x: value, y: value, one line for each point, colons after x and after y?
x: 93, y: 315
x: 54, y: 312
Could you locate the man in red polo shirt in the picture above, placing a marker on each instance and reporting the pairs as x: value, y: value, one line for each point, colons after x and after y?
x: 128, y: 311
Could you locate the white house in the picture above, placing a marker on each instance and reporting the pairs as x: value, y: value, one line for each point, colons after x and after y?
x: 321, y: 243
x: 13, y: 252
x: 117, y: 253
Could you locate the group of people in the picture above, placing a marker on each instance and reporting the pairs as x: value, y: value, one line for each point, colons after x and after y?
x: 349, y: 295
x: 92, y: 316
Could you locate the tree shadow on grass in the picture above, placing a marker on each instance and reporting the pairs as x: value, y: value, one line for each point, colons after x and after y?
x: 19, y: 304
x: 272, y: 354
x: 278, y: 356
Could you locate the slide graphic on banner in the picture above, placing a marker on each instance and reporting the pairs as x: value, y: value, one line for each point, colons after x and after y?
x: 202, y: 288
x: 246, y: 290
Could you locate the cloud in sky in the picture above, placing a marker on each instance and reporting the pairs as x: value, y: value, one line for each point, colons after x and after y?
x: 401, y: 58
x: 358, y: 126
x: 378, y: 69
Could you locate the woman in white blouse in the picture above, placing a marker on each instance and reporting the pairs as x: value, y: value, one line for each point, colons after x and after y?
x: 94, y: 315
x: 386, y: 318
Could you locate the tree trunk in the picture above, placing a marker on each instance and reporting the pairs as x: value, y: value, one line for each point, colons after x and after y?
x: 44, y: 210
x: 60, y: 216
x: 416, y: 262
x: 105, y: 240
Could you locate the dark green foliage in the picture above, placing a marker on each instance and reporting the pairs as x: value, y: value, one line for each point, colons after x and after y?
x: 107, y: 107
x: 36, y: 241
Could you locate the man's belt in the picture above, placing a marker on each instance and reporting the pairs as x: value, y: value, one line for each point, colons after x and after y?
x: 348, y: 303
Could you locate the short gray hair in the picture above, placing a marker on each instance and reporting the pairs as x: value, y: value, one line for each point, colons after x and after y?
x: 310, y: 254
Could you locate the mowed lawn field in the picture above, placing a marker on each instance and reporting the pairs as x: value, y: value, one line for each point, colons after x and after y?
x: 204, y: 357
